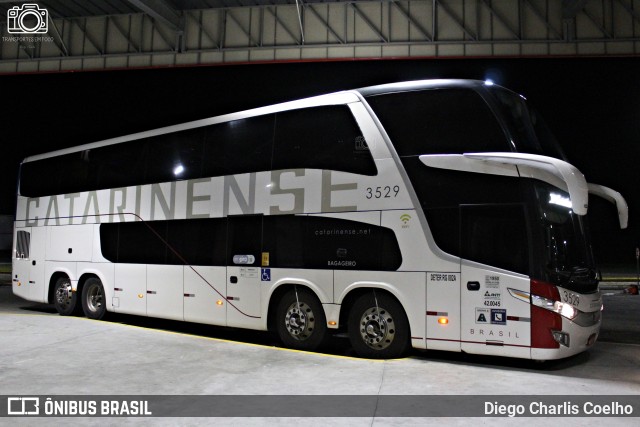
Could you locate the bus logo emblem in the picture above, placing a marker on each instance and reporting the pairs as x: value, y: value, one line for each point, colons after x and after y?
x: 23, y: 406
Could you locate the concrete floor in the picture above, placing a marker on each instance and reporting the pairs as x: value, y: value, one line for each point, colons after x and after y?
x: 43, y: 353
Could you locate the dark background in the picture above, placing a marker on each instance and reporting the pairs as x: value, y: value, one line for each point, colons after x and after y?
x: 592, y: 105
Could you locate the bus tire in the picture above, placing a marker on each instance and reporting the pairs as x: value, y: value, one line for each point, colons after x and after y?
x: 64, y: 299
x: 93, y: 299
x: 300, y: 321
x: 378, y: 330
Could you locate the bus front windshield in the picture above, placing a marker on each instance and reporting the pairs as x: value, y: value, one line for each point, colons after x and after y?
x: 566, y: 251
x: 568, y: 260
x: 529, y: 132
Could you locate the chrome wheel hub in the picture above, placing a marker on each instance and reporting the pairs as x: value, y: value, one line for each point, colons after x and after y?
x: 377, y: 328
x: 300, y: 321
x: 94, y: 298
x: 63, y: 294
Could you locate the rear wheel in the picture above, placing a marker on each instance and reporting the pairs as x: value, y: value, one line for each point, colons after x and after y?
x: 64, y: 299
x: 300, y: 320
x: 378, y: 327
x: 93, y: 299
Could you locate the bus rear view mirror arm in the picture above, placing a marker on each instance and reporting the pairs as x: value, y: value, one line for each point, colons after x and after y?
x: 547, y: 169
x: 614, y: 197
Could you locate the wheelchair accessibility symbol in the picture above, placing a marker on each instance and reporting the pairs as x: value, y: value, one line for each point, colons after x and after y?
x: 265, y: 276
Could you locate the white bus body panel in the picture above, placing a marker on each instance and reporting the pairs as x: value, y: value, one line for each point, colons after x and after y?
x: 244, y: 294
x: 37, y: 284
x: 203, y: 288
x: 165, y: 291
x: 130, y: 289
x: 70, y: 242
x: 494, y: 322
x: 68, y: 268
x: 443, y: 302
x: 319, y: 281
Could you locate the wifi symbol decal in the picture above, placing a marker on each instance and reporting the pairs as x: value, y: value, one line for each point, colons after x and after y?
x: 405, y: 218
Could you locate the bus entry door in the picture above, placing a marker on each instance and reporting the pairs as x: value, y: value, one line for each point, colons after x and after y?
x: 244, y: 245
x: 494, y: 249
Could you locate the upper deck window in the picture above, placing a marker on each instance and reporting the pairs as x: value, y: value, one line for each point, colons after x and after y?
x: 439, y: 121
x: 324, y: 137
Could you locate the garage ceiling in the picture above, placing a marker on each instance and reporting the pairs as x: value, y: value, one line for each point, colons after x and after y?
x: 97, y: 34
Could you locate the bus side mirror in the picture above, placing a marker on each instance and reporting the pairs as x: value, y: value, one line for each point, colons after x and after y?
x: 615, y: 198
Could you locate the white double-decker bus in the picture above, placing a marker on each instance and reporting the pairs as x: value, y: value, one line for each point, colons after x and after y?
x: 431, y: 214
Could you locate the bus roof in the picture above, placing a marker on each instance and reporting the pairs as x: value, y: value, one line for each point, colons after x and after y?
x: 409, y: 86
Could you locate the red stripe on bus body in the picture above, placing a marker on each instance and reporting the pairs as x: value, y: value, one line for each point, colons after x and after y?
x: 519, y: 319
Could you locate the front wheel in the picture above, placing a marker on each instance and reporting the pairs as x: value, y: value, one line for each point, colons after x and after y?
x: 378, y: 327
x: 64, y: 299
x: 300, y: 320
x: 93, y: 299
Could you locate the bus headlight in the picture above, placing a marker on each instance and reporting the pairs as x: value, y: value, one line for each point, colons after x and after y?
x: 563, y: 309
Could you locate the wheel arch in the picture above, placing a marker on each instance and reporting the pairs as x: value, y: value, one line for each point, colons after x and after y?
x: 279, y: 290
x: 52, y: 281
x: 83, y: 279
x: 356, y: 290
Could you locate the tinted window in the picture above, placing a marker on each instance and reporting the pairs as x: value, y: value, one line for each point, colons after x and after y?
x: 442, y: 192
x: 439, y: 121
x: 49, y: 176
x: 321, y: 138
x: 240, y: 146
x: 245, y: 238
x: 315, y: 138
x: 197, y: 241
x: 329, y: 243
x: 496, y: 235
x: 135, y: 242
x: 191, y: 242
x: 290, y: 241
x: 527, y: 127
x: 118, y: 165
x: 174, y: 156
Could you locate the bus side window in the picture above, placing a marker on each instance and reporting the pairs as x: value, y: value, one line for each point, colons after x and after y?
x: 239, y: 146
x: 439, y: 121
x: 174, y: 156
x: 329, y: 243
x: 325, y: 137
x: 135, y: 242
x: 118, y: 165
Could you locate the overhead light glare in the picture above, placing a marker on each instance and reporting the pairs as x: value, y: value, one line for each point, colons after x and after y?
x: 560, y: 200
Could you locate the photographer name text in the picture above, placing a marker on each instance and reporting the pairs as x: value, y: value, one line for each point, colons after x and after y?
x: 562, y: 409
